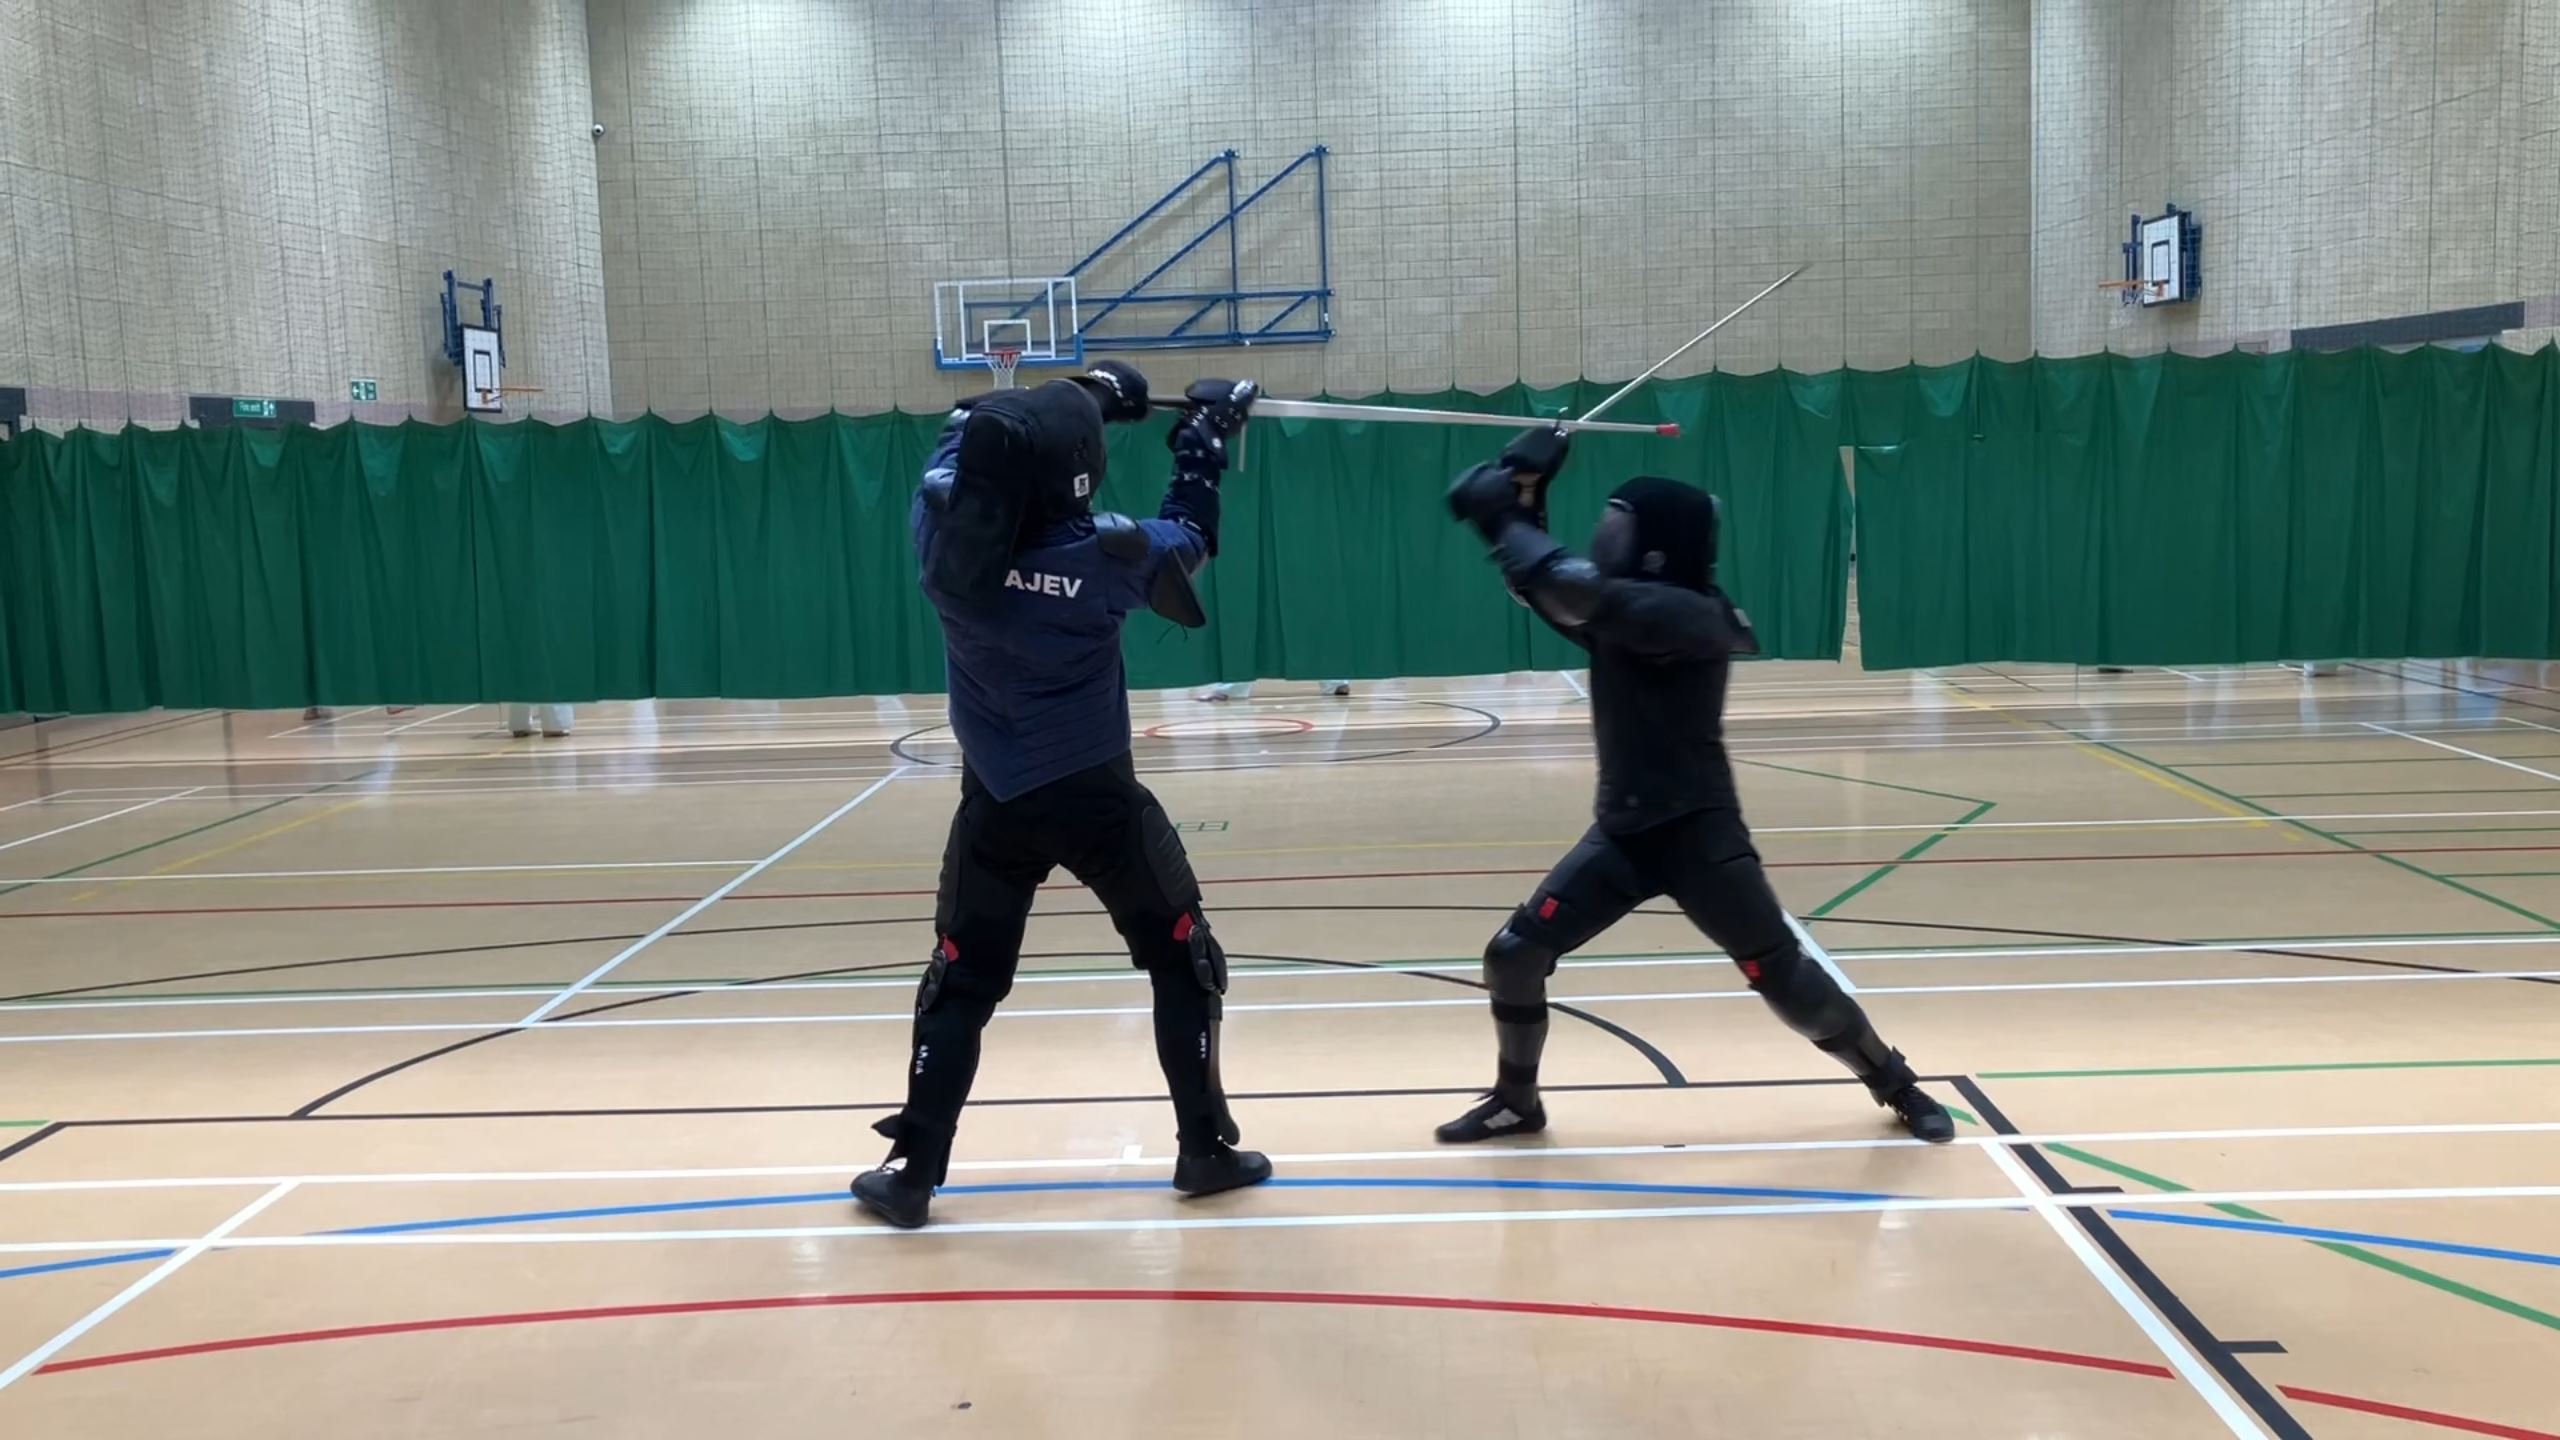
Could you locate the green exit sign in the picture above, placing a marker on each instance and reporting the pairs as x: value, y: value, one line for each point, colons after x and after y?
x: 363, y: 391
x: 253, y: 409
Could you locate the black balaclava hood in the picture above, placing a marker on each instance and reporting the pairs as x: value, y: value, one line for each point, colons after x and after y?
x: 1675, y: 533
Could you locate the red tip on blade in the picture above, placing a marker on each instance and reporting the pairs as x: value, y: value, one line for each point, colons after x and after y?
x: 1671, y: 430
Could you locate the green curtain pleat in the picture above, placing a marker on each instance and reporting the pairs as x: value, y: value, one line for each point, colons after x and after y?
x: 2173, y: 509
x: 2109, y: 509
x: 423, y: 564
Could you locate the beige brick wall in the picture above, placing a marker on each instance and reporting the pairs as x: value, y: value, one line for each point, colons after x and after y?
x: 1539, y: 189
x: 236, y: 197
x: 2351, y: 159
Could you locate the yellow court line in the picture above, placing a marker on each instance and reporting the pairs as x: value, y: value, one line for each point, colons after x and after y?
x: 2175, y: 787
x: 243, y: 843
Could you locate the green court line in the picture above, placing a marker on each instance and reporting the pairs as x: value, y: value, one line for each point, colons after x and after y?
x: 24, y: 1124
x: 1878, y: 784
x: 2358, y: 1253
x: 2308, y: 828
x: 2407, y: 762
x: 2498, y: 874
x: 2349, y: 794
x: 2412, y: 760
x: 2461, y: 830
x: 2303, y: 1069
x: 198, y: 830
x: 1980, y: 809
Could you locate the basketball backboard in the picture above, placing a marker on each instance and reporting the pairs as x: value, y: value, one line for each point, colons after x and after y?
x: 973, y: 319
x: 483, y: 389
x: 2164, y: 258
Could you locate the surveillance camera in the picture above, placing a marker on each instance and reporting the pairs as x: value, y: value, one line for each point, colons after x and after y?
x: 596, y: 131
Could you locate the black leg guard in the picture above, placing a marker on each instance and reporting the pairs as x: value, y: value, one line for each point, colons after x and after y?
x: 952, y: 1008
x: 1803, y: 994
x: 1515, y: 974
x: 1190, y: 981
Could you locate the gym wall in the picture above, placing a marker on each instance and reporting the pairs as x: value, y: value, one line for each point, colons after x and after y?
x: 2352, y: 161
x: 1520, y: 189
x: 240, y: 198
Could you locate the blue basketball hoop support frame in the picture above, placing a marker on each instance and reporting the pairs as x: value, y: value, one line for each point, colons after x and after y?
x: 490, y: 315
x: 1236, y: 316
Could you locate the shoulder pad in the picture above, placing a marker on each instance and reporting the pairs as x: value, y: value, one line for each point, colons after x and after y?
x: 1120, y: 536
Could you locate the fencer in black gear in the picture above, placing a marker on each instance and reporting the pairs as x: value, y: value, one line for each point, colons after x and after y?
x: 1032, y: 589
x: 1667, y: 820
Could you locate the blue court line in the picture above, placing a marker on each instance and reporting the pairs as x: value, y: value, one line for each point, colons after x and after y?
x: 128, y: 1257
x: 2352, y: 1237
x: 1386, y: 1182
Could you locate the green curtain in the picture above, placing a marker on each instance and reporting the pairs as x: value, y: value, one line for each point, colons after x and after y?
x: 2171, y: 509
x: 418, y: 564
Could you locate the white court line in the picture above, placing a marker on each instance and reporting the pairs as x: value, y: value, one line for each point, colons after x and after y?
x: 2207, y: 1386
x: 537, y: 869
x: 100, y: 819
x: 1981, y: 739
x: 1078, y: 1012
x: 1916, y: 827
x: 430, y: 720
x: 1567, y: 677
x: 1339, y: 1220
x: 34, y: 1359
x: 2458, y: 750
x: 707, y: 901
x: 1291, y: 971
x: 309, y: 725
x: 2186, y: 675
x: 1435, y: 1155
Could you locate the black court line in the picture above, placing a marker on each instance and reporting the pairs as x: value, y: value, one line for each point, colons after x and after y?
x: 33, y: 1139
x: 310, y: 1107
x: 1671, y: 1075
x: 86, y: 743
x: 2260, y: 1400
x: 145, y: 1122
x: 2287, y: 952
x: 2255, y: 1347
x: 491, y: 947
x: 1670, y: 1072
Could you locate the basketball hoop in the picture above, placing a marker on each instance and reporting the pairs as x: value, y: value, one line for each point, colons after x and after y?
x: 1004, y: 360
x: 2127, y: 290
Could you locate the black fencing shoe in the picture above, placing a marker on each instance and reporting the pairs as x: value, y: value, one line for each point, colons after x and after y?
x: 1226, y: 1168
x: 1925, y: 1118
x: 892, y: 1196
x: 1494, y: 1118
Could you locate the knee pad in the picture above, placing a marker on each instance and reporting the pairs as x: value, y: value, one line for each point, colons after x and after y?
x: 1801, y: 993
x: 945, y: 988
x: 1516, y: 967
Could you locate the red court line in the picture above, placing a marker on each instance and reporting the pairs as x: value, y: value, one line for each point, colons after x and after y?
x: 1550, y: 1309
x: 1866, y: 864
x: 2407, y: 1412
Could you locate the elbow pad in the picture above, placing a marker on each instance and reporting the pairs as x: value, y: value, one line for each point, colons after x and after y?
x: 1562, y: 585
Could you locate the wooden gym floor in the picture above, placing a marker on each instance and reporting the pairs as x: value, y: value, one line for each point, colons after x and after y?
x: 389, y: 1076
